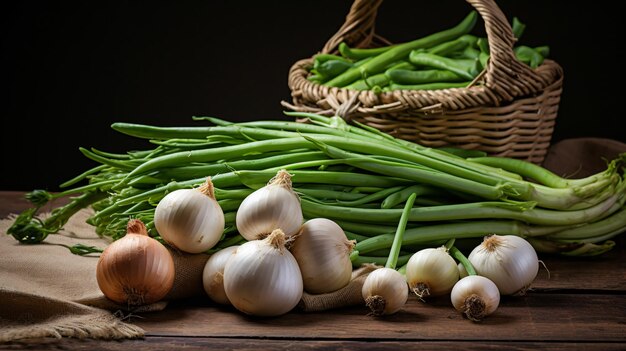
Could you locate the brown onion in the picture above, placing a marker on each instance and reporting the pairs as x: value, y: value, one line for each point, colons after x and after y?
x: 136, y: 269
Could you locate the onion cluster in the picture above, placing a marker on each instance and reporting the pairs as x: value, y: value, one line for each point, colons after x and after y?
x: 283, y: 257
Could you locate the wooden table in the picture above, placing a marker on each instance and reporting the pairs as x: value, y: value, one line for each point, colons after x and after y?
x: 581, y: 304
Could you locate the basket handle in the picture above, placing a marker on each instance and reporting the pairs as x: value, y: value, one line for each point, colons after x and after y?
x: 358, y: 29
x: 504, y: 75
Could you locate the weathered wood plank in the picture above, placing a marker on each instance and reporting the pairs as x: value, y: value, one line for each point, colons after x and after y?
x: 254, y: 344
x: 534, y: 318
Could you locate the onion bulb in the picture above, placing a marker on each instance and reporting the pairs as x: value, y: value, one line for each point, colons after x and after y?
x: 385, y: 291
x: 271, y: 207
x: 213, y: 274
x: 508, y: 260
x: 135, y: 269
x: 262, y: 278
x: 431, y: 272
x: 475, y: 296
x: 190, y: 220
x: 323, y: 254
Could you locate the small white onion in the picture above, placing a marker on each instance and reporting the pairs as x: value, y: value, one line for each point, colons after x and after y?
x: 385, y: 291
x: 508, y: 260
x: 271, y: 207
x: 475, y: 296
x: 190, y: 220
x: 323, y: 254
x: 262, y: 277
x: 213, y: 274
x: 431, y: 272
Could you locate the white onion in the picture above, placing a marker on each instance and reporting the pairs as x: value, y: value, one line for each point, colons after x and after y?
x: 385, y: 291
x: 431, y: 272
x: 190, y: 220
x: 274, y: 206
x: 475, y: 296
x: 262, y: 277
x: 213, y: 274
x: 323, y: 254
x: 508, y: 260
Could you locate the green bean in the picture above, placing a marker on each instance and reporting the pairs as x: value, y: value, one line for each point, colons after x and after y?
x: 321, y: 177
x: 468, y: 53
x: 518, y: 28
x: 465, y: 68
x: 331, y: 68
x: 405, y: 76
x: 326, y: 194
x: 401, y: 196
x: 544, y: 51
x: 126, y: 165
x: 378, y: 80
x: 528, y: 55
x: 227, y: 242
x: 364, y: 229
x: 360, y: 54
x: 229, y: 204
x: 187, y: 172
x: 145, y: 180
x: 399, y: 52
x: 483, y: 58
x: 371, y: 197
x: 110, y: 155
x: 449, y: 47
x: 232, y: 193
x: 353, y: 236
x: 321, y: 58
x: 82, y: 176
x: 370, y: 83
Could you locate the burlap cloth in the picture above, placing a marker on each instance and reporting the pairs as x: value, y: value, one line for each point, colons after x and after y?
x: 45, y: 291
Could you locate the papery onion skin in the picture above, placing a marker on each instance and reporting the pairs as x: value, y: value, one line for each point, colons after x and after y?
x: 213, y: 275
x: 190, y: 220
x: 508, y: 260
x: 323, y: 254
x: 431, y: 272
x: 271, y: 207
x: 385, y: 291
x: 136, y: 269
x: 475, y: 296
x: 262, y: 278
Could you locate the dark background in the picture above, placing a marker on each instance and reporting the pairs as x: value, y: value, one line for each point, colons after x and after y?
x: 70, y: 69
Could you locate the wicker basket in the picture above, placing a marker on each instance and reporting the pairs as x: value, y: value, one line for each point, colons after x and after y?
x: 509, y: 110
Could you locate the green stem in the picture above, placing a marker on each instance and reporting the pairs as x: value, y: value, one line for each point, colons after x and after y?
x: 456, y: 253
x: 397, y: 241
x: 28, y: 229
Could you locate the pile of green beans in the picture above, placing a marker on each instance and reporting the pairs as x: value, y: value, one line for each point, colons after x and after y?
x: 452, y: 58
x: 350, y: 173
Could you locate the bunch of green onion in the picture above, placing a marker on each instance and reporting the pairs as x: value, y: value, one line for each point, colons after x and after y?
x: 352, y: 174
